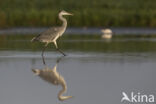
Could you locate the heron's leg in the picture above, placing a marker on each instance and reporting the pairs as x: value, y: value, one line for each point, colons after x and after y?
x: 55, y: 44
x: 43, y: 53
x: 59, y: 49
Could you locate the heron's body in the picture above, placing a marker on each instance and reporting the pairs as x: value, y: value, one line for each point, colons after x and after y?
x: 53, y: 33
x: 53, y: 77
x: 50, y: 35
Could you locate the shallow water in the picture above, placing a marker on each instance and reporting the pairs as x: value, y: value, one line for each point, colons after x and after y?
x: 95, y: 71
x: 84, y: 31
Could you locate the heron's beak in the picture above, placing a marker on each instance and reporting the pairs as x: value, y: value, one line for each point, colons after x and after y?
x: 70, y: 14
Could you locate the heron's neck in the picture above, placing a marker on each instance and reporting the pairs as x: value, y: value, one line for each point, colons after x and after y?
x: 61, y: 97
x: 64, y: 88
x: 63, y: 20
x: 60, y: 94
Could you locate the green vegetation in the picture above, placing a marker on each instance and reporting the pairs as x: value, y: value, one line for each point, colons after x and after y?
x: 94, y: 43
x: 87, y: 13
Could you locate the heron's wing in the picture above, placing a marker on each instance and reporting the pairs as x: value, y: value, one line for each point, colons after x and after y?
x: 49, y: 34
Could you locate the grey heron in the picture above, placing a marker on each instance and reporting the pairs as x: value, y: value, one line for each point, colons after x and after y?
x: 53, y: 77
x: 53, y: 33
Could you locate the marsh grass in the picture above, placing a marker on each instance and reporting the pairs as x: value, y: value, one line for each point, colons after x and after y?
x: 118, y: 44
x: 89, y: 13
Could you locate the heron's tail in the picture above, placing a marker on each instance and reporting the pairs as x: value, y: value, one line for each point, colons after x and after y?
x: 33, y: 39
x: 36, y: 71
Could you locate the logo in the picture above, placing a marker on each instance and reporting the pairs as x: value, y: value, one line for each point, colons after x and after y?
x: 137, y: 97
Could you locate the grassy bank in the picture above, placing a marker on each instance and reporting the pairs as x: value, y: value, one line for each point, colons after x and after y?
x: 90, y: 13
x: 79, y: 44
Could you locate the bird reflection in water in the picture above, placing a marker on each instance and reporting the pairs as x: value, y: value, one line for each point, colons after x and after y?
x: 52, y: 76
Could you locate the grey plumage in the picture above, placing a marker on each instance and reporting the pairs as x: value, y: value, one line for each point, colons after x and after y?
x: 48, y: 35
x: 53, y: 33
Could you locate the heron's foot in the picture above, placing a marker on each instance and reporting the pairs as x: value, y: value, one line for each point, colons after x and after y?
x: 64, y: 54
x: 61, y: 52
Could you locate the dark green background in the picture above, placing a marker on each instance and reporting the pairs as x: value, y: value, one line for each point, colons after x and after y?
x: 87, y: 13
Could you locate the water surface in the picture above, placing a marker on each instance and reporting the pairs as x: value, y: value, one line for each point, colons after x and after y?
x: 84, y: 30
x: 96, y: 70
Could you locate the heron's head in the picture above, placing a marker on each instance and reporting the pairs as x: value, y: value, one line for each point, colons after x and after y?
x: 65, y: 13
x: 62, y: 98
